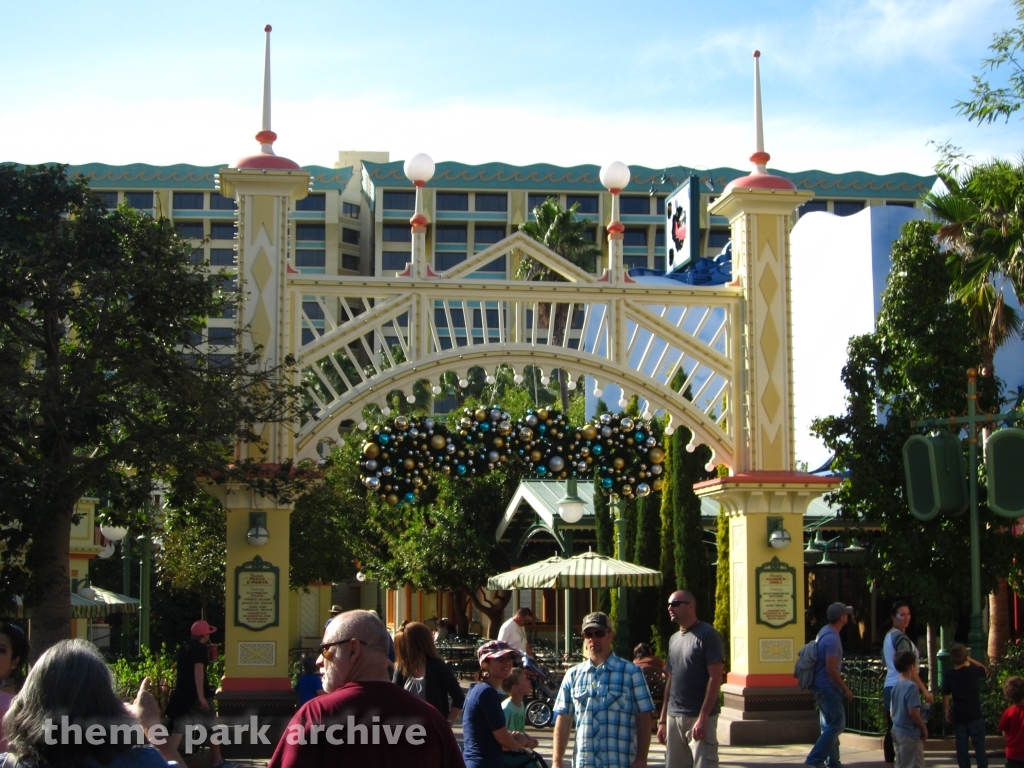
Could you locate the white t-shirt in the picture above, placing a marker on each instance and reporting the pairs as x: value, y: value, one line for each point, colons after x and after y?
x: 888, y: 655
x: 513, y: 634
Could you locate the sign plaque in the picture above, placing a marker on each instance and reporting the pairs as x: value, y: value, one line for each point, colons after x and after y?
x: 257, y: 595
x: 776, y: 593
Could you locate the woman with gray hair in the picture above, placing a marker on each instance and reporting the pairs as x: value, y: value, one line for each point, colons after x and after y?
x: 68, y: 715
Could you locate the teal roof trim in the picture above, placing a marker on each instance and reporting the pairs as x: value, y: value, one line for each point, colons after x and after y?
x: 541, y: 176
x: 142, y: 176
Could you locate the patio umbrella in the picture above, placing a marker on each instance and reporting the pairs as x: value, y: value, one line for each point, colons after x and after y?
x: 588, y: 571
x: 116, y: 603
x: 513, y: 579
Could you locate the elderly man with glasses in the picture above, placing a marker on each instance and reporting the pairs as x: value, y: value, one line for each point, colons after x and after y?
x: 364, y: 719
x: 610, y: 703
x: 689, y: 714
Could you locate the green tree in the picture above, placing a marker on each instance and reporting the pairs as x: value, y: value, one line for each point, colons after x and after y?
x: 193, y: 550
x: 691, y: 559
x: 102, y: 387
x: 604, y: 533
x: 988, y: 103
x: 667, y: 559
x: 646, y: 605
x: 722, y: 582
x: 913, y: 366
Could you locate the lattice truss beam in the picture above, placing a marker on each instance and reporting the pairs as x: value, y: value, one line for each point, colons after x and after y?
x: 359, y: 339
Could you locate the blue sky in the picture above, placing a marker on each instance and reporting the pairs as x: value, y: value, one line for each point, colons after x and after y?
x: 847, y: 85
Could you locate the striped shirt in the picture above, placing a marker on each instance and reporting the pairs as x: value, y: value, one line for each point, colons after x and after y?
x: 604, y: 700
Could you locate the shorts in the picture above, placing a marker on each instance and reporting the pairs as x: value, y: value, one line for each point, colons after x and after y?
x: 194, y: 716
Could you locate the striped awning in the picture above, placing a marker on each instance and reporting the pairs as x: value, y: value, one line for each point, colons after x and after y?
x: 586, y: 571
x: 514, y: 579
x: 115, y: 602
x: 84, y: 608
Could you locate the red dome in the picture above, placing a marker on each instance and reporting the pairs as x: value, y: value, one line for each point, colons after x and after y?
x: 267, y: 162
x: 761, y: 181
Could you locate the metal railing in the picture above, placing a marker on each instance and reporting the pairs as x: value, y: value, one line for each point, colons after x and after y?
x: 866, y: 678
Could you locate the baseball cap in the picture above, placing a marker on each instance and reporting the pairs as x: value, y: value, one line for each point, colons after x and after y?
x: 494, y: 649
x: 838, y: 609
x: 201, y: 628
x: 597, y: 620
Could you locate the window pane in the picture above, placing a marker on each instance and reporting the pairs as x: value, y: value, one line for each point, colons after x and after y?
x: 222, y: 336
x: 590, y: 234
x: 350, y: 262
x: 452, y: 201
x: 491, y: 202
x: 634, y: 261
x: 220, y: 203
x: 535, y: 200
x: 659, y: 263
x: 313, y: 310
x: 660, y: 209
x: 311, y: 203
x: 588, y: 203
x: 309, y: 232
x: 109, y: 199
x: 350, y: 209
x: 813, y: 205
x: 450, y: 233
x: 140, y: 200
x: 443, y: 261
x: 635, y: 205
x: 395, y: 261
x: 308, y: 337
x: 659, y: 238
x: 197, y: 256
x: 188, y: 201
x: 220, y: 361
x: 220, y: 230
x: 899, y: 203
x: 498, y: 265
x: 190, y: 229
x: 847, y: 207
x: 399, y: 201
x: 350, y: 236
x: 195, y: 338
x: 397, y: 233
x: 222, y: 257
x: 310, y: 257
x: 717, y: 238
x: 636, y: 237
x: 488, y: 235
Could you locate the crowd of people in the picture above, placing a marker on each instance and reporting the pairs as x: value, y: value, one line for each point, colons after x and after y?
x: 383, y: 701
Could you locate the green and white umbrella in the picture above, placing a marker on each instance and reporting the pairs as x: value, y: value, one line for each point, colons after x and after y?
x: 115, y: 602
x: 586, y: 571
x: 514, y: 579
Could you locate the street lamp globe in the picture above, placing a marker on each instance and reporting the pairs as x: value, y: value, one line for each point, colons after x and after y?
x: 419, y: 169
x: 615, y: 176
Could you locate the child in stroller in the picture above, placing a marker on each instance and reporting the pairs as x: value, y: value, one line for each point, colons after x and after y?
x: 541, y: 702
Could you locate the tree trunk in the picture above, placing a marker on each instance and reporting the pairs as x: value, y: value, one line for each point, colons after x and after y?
x: 48, y: 560
x: 494, y: 611
x: 998, y: 621
x: 460, y: 601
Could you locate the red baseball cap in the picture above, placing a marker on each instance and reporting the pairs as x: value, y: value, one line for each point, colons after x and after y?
x: 201, y: 628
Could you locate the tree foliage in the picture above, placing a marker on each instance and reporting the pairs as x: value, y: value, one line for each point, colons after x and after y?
x: 988, y: 103
x: 912, y: 367
x: 722, y: 582
x: 691, y: 559
x: 102, y: 387
x: 193, y: 549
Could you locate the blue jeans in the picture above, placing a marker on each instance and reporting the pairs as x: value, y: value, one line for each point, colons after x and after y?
x: 976, y: 732
x: 832, y: 716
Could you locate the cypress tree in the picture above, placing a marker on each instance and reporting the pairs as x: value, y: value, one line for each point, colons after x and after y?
x: 605, y: 535
x: 692, y: 571
x: 722, y: 583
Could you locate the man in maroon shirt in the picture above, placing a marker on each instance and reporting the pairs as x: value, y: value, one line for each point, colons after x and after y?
x: 365, y: 719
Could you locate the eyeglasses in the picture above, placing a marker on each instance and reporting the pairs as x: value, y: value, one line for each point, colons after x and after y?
x: 326, y: 647
x: 677, y: 603
x: 590, y: 634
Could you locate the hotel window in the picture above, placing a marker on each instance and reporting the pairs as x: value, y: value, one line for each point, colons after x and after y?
x: 450, y: 233
x: 220, y: 203
x: 350, y: 209
x: 350, y: 262
x: 634, y: 205
x: 222, y: 257
x: 635, y: 237
x: 350, y: 236
x: 224, y: 337
x: 313, y: 310
x: 399, y: 201
x: 227, y: 285
x: 634, y: 261
x: 587, y: 203
x: 397, y: 233
x: 498, y: 265
x: 223, y: 230
x: 491, y: 202
x: 139, y: 200
x: 394, y: 261
x: 190, y: 229
x: 220, y: 361
x: 847, y: 207
x: 900, y: 203
x: 311, y: 257
x: 659, y: 238
x: 659, y: 263
x: 813, y: 205
x: 443, y: 261
x: 533, y: 201
x: 311, y: 203
x: 109, y: 199
x: 195, y: 338
x: 310, y: 232
x: 590, y: 234
x: 717, y: 238
x: 660, y: 206
x: 488, y: 235
x: 188, y: 201
x: 197, y: 256
x: 452, y: 201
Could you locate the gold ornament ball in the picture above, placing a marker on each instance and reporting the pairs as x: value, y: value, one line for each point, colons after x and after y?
x: 437, y: 442
x: 542, y: 413
x: 401, y: 422
x: 409, y: 464
x: 589, y: 432
x: 618, y: 462
x: 656, y: 455
x: 536, y: 455
x: 371, y: 450
x: 480, y: 414
x: 392, y: 499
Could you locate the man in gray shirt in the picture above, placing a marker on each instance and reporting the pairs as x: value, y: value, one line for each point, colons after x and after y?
x: 689, y: 715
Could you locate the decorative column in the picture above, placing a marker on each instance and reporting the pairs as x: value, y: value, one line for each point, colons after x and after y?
x: 765, y: 498
x: 265, y: 187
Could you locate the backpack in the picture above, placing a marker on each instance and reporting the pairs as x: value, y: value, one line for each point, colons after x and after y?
x: 806, y: 664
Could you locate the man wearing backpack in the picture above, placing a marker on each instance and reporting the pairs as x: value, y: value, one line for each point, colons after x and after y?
x: 896, y: 640
x: 829, y: 688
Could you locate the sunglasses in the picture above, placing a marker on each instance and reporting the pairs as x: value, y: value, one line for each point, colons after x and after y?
x: 677, y: 603
x: 590, y: 634
x: 325, y: 648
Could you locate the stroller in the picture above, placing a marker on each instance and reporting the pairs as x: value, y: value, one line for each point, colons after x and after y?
x: 525, y: 758
x: 541, y: 703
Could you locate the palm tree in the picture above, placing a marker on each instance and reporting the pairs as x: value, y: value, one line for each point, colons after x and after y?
x: 982, y: 222
x: 569, y: 237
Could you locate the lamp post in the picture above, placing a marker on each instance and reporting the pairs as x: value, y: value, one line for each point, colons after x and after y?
x: 623, y: 647
x: 570, y: 509
x: 615, y: 176
x: 419, y: 169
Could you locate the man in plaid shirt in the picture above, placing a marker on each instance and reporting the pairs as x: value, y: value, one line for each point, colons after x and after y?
x: 609, y: 701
